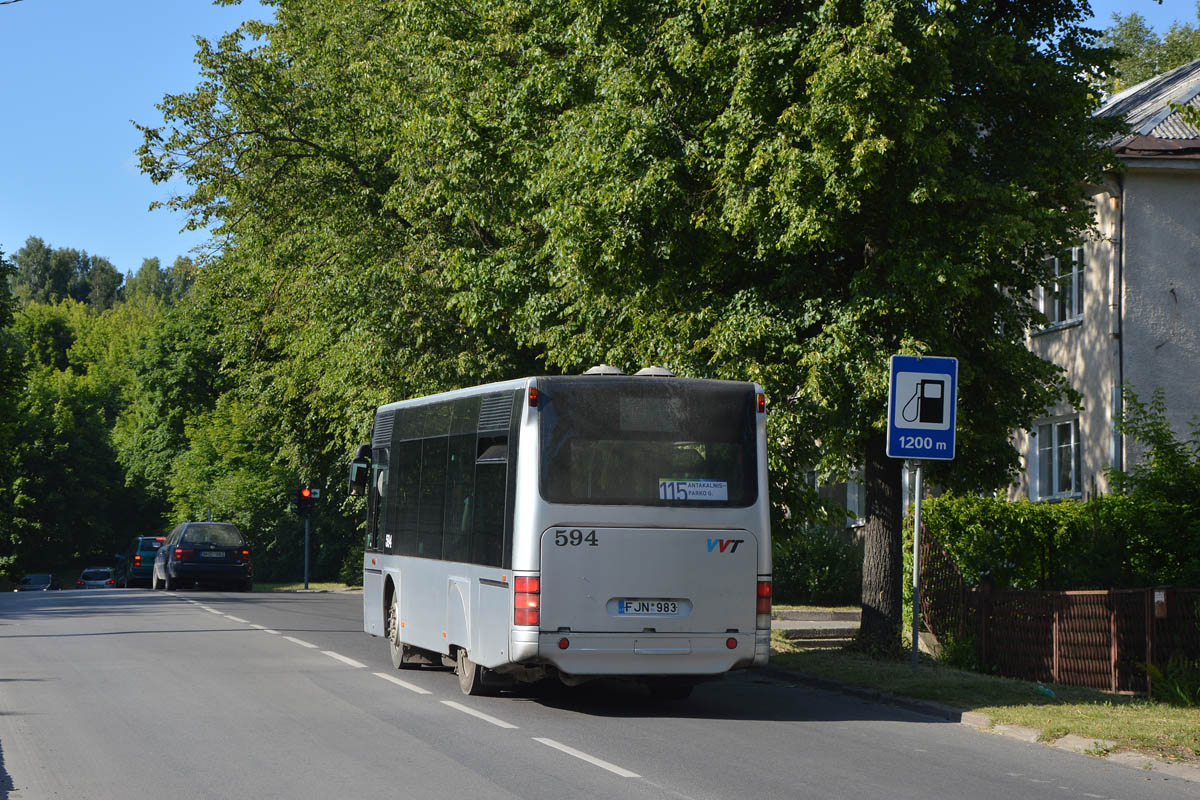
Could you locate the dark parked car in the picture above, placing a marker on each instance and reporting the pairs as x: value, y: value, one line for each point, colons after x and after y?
x: 203, y: 552
x: 138, y: 561
x: 37, y: 582
x: 97, y: 578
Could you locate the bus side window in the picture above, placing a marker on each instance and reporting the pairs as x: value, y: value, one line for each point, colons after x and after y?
x: 433, y: 497
x: 403, y: 499
x: 460, y: 489
x: 487, y: 538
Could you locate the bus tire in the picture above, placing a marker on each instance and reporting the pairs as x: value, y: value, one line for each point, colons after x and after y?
x: 470, y: 675
x: 400, y: 652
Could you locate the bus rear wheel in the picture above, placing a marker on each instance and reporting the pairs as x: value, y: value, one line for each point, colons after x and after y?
x: 470, y: 675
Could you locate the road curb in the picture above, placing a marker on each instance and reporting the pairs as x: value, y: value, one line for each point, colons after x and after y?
x: 1096, y: 748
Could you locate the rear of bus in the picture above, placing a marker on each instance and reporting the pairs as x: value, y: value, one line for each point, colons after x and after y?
x: 645, y: 549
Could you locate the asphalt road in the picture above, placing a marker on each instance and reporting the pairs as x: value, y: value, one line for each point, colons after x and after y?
x: 133, y: 694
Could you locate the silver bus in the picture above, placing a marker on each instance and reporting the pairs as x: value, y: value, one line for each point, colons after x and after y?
x: 570, y: 527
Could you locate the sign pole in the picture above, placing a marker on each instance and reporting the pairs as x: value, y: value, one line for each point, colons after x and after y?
x: 916, y: 576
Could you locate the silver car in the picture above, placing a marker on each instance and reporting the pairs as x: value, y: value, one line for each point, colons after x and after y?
x: 97, y: 578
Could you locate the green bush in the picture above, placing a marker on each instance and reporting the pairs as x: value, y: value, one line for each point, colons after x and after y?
x: 817, y: 566
x: 1146, y: 533
x: 1178, y: 683
x: 1105, y: 542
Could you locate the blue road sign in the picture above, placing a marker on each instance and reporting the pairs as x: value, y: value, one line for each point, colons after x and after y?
x: 921, y: 407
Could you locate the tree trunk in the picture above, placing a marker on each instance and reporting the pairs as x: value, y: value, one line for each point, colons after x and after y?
x: 883, y: 561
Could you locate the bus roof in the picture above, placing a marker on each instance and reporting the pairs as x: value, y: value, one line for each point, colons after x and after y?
x: 521, y: 383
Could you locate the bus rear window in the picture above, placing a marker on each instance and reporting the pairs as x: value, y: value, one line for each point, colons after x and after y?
x: 647, y: 441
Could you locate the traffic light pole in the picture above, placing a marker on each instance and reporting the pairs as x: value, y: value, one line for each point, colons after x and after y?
x: 306, y: 552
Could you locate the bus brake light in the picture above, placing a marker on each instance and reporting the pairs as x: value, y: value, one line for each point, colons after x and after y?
x: 763, y: 607
x: 527, y: 599
x: 762, y: 403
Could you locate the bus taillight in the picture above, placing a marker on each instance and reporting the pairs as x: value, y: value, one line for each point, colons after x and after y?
x: 527, y: 599
x: 763, y: 608
x: 762, y: 403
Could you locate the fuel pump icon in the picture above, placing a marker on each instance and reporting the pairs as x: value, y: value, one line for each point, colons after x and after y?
x: 927, y: 405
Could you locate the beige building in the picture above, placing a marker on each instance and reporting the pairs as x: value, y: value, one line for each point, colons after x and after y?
x: 1125, y: 308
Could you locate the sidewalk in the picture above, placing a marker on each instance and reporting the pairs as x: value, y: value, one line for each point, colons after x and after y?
x: 816, y: 627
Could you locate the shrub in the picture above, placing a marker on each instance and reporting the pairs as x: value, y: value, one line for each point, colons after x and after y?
x: 1106, y: 542
x: 1178, y: 683
x: 817, y: 566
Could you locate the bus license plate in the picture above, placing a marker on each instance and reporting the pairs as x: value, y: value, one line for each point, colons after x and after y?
x: 649, y: 608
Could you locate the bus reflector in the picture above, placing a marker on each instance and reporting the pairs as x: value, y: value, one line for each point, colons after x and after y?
x: 762, y: 403
x: 533, y: 396
x: 527, y: 600
x: 731, y: 643
x: 563, y: 643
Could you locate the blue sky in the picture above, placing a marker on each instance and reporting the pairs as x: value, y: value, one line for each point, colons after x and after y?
x: 73, y: 73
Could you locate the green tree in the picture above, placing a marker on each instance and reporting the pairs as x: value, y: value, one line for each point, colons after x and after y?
x: 415, y: 196
x: 48, y: 275
x: 103, y: 283
x: 11, y: 381
x: 150, y: 281
x: 174, y: 375
x: 1142, y: 53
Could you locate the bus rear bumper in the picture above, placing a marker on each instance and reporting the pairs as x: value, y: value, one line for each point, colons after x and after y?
x: 624, y: 654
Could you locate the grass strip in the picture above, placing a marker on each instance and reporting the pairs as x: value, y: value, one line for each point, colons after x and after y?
x: 1132, y: 723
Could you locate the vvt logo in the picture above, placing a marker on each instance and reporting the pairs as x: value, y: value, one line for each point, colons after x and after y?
x: 725, y: 545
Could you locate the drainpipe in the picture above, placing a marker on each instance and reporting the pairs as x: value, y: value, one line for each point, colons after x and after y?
x: 1116, y: 302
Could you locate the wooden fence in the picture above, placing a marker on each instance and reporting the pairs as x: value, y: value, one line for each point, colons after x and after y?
x: 1100, y: 639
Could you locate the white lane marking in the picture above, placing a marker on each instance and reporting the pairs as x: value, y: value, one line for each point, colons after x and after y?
x: 236, y: 619
x: 624, y: 773
x: 499, y: 723
x: 398, y: 682
x: 345, y: 660
x: 301, y: 642
x: 214, y: 611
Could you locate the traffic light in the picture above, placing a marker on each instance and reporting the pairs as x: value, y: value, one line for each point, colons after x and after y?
x: 294, y: 497
x: 304, y: 501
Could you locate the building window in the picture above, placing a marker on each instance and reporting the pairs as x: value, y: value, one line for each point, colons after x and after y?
x: 1057, y: 460
x: 1062, y: 301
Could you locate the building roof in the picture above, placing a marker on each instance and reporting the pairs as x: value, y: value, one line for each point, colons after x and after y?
x: 1157, y: 130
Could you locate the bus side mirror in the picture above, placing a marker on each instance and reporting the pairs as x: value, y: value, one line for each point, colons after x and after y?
x: 360, y: 468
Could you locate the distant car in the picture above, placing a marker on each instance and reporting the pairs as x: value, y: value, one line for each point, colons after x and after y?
x: 138, y: 561
x: 203, y: 553
x: 97, y: 578
x: 36, y: 582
